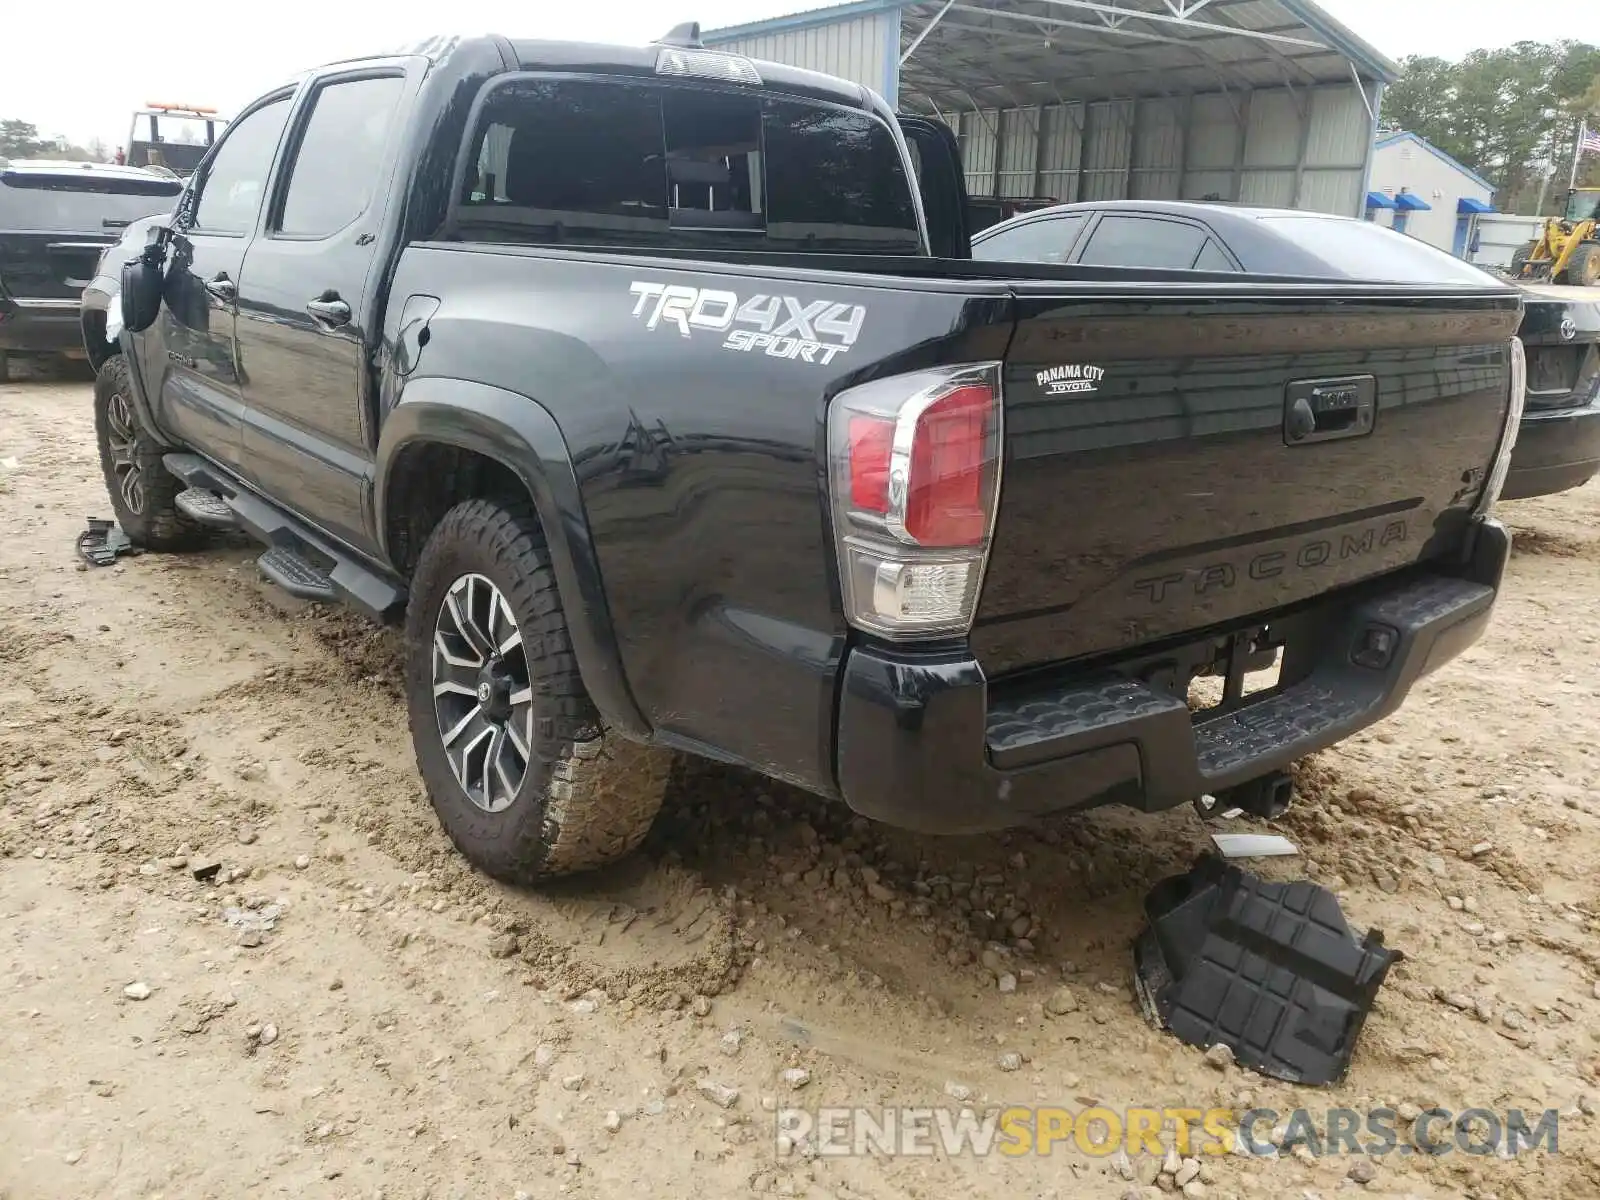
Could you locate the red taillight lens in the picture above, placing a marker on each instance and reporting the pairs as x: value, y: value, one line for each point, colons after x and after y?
x: 871, y: 442
x: 949, y: 454
x: 914, y: 481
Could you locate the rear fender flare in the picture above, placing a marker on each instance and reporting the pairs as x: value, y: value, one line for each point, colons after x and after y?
x: 521, y: 435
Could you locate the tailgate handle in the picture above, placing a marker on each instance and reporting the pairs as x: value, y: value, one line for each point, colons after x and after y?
x: 1324, y: 410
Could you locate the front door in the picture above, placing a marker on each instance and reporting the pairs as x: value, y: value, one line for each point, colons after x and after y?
x: 307, y: 317
x: 198, y: 392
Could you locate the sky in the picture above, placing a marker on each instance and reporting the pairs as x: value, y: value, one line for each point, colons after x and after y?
x: 79, y: 69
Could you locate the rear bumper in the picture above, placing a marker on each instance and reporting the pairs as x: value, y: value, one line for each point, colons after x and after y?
x: 40, y: 326
x: 922, y: 744
x: 1556, y: 450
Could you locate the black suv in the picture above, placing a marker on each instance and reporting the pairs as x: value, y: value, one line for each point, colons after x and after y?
x: 56, y: 219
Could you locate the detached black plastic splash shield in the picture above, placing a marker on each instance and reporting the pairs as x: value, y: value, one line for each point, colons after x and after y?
x: 1272, y: 970
x: 103, y: 542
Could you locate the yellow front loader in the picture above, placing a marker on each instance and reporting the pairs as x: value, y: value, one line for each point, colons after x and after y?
x: 1568, y: 250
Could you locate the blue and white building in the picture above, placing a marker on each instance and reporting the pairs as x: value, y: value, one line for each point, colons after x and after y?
x: 1421, y: 191
x: 1268, y: 102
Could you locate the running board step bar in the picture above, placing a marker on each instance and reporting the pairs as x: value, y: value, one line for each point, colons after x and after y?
x: 206, y: 507
x: 296, y: 575
x: 294, y: 550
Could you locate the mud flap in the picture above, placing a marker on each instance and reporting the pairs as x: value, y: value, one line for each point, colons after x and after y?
x: 1271, y: 970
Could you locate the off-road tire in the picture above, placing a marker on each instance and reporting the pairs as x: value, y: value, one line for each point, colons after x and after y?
x: 155, y: 523
x: 589, y: 795
x: 1520, y: 257
x: 1583, y: 267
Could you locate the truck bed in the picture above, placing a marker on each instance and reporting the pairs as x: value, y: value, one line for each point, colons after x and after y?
x: 1161, y: 503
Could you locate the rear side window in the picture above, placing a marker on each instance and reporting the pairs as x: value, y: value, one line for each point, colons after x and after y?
x: 80, y: 201
x: 1043, y: 241
x: 578, y: 162
x: 1119, y: 241
x: 336, y: 166
x: 235, y: 181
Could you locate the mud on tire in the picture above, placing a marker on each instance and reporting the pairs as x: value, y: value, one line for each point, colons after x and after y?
x: 585, y: 796
x: 142, y: 490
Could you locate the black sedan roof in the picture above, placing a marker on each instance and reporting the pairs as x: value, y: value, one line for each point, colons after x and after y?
x: 1282, y: 241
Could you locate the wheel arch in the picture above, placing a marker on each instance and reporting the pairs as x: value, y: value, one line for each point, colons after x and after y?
x: 513, y: 439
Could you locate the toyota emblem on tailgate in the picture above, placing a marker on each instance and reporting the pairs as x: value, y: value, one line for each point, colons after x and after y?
x: 1569, y: 329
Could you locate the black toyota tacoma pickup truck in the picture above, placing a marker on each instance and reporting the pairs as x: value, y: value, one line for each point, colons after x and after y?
x: 656, y: 392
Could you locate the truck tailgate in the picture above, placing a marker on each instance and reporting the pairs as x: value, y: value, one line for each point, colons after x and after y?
x: 1177, y: 462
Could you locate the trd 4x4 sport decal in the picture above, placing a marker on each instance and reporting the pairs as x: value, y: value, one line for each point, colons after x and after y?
x: 780, y: 326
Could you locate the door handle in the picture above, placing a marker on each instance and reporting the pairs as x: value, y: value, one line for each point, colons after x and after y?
x: 329, y: 311
x: 222, y: 288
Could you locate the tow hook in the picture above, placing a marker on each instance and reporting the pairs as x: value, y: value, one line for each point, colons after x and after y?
x: 1266, y: 797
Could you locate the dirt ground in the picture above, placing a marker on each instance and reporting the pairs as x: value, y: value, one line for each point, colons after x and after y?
x: 407, y: 1028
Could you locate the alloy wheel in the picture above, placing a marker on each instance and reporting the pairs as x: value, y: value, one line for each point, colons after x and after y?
x: 122, y: 439
x: 482, y: 694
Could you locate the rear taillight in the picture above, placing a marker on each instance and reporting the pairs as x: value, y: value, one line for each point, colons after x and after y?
x: 914, y: 463
x: 1508, y: 436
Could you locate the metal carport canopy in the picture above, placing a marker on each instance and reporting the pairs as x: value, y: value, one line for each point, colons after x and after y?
x: 1264, y: 102
x: 984, y: 54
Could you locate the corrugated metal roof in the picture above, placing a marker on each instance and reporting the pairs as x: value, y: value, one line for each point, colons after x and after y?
x: 1014, y: 53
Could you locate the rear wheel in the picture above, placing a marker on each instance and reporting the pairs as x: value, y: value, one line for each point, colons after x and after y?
x: 1583, y: 268
x: 525, y: 779
x: 142, y: 490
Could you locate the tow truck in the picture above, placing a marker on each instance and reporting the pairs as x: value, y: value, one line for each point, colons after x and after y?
x: 172, y: 136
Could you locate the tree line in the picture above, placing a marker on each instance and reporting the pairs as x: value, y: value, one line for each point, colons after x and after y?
x: 20, y: 139
x: 1511, y: 115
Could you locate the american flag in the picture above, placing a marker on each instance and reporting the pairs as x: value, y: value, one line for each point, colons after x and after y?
x: 1589, y: 140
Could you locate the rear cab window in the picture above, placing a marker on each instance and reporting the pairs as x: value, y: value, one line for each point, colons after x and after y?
x: 79, y: 200
x: 557, y: 161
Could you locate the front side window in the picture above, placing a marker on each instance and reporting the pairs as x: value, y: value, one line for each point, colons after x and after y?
x: 1048, y: 240
x: 235, y: 183
x: 336, y: 167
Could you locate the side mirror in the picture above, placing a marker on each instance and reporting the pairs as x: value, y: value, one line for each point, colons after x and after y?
x: 142, y: 285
